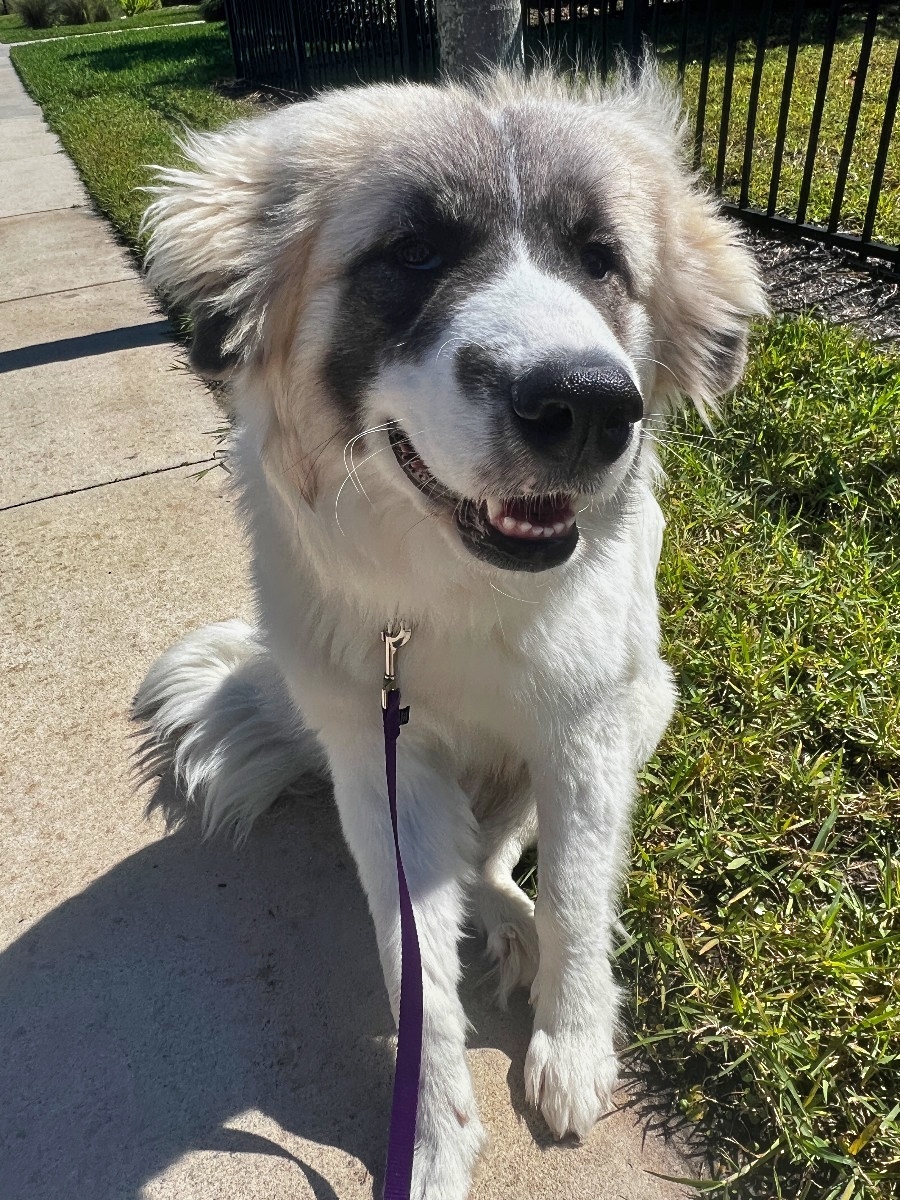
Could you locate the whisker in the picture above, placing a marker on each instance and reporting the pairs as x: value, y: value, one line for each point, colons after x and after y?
x: 521, y: 599
x: 349, y: 445
x: 497, y: 609
x: 355, y: 468
x: 646, y: 358
x: 347, y: 479
x: 466, y: 341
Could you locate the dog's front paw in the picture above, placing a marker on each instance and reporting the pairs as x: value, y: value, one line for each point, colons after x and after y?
x: 449, y: 1139
x: 569, y: 1077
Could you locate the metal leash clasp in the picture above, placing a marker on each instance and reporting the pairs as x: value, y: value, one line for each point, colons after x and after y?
x: 393, y: 640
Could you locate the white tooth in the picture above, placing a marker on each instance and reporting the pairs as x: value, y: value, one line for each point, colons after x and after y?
x: 507, y: 523
x: 525, y: 528
x: 494, y: 509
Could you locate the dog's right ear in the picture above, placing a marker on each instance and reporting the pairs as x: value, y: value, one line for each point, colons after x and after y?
x: 225, y: 229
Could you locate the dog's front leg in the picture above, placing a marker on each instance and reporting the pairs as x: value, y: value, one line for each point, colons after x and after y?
x: 434, y: 826
x: 584, y: 794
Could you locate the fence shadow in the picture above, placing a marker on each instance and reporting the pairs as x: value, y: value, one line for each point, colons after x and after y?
x: 188, y: 59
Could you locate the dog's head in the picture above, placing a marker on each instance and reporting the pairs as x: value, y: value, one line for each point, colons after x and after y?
x: 502, y: 284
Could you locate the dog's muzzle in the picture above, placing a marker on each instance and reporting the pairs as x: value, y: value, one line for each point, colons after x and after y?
x: 572, y: 421
x: 521, y: 533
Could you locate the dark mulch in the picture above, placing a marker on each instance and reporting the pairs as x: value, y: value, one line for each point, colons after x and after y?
x: 806, y: 276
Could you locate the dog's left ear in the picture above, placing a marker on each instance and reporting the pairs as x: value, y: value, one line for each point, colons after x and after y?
x: 706, y: 287
x: 707, y: 292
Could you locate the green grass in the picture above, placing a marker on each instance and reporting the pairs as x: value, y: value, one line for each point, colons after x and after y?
x: 118, y: 104
x: 12, y: 28
x: 763, y: 968
x: 809, y: 59
x: 764, y: 901
x: 834, y: 123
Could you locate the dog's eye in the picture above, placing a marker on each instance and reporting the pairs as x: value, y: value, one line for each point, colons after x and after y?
x: 417, y: 255
x: 596, y: 260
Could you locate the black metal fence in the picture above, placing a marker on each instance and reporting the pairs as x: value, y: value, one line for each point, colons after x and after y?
x: 792, y: 102
x: 302, y: 46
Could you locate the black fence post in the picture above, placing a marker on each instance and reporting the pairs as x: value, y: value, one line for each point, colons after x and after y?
x: 408, y: 37
x: 632, y: 34
x: 884, y: 145
x: 234, y: 33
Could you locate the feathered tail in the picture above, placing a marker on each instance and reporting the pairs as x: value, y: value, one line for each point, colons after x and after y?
x: 215, y: 710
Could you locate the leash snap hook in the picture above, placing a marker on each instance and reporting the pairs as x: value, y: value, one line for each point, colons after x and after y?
x: 393, y: 640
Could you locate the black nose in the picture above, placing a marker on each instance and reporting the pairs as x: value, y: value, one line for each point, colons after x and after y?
x: 577, y: 413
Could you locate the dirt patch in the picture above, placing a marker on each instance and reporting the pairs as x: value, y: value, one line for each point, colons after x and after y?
x: 806, y: 276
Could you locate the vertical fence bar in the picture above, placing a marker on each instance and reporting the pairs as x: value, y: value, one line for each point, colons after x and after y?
x: 862, y: 70
x: 604, y: 40
x: 727, y: 88
x: 332, y: 60
x: 393, y: 19
x: 435, y: 46
x: 631, y: 32
x: 362, y: 29
x: 391, y: 28
x: 683, y: 41
x: 308, y: 31
x: 418, y: 36
x: 232, y: 36
x: 340, y: 38
x: 884, y: 145
x: 426, y: 68
x: 410, y: 59
x: 654, y: 24
x: 301, y: 82
x: 704, y: 86
x: 752, y: 103
x: 818, y: 108
x: 787, y: 89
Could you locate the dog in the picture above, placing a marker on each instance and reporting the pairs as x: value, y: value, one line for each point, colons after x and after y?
x: 452, y: 320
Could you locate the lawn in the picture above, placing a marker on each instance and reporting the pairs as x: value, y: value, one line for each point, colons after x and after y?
x: 764, y: 900
x: 834, y: 122
x: 666, y: 35
x: 13, y: 29
x: 763, y: 906
x: 118, y: 103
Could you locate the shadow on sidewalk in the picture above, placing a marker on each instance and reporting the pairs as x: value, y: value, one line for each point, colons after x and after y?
x: 193, y: 982
x: 129, y: 337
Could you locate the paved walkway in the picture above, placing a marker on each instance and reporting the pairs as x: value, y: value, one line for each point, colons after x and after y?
x: 178, y: 1020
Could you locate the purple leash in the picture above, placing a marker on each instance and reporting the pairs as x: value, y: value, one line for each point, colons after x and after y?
x: 402, y: 1136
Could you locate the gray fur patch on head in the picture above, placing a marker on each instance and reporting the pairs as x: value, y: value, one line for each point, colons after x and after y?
x: 269, y: 210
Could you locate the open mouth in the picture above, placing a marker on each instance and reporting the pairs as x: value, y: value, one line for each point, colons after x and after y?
x: 520, y: 533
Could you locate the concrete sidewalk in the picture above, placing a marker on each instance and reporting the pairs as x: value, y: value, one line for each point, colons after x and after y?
x: 178, y: 1020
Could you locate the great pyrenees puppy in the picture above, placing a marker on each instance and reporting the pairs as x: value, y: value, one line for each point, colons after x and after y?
x: 450, y: 319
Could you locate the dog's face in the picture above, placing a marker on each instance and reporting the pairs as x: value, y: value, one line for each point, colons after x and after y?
x: 489, y: 318
x: 502, y: 287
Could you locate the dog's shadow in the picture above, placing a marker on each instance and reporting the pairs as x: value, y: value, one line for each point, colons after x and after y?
x: 191, y: 983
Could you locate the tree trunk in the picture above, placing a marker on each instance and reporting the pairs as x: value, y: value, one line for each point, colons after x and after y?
x: 478, y: 33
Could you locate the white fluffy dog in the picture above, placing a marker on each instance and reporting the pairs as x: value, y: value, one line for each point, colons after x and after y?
x: 450, y: 319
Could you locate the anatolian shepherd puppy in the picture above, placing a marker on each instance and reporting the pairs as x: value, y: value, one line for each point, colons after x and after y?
x: 451, y: 319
